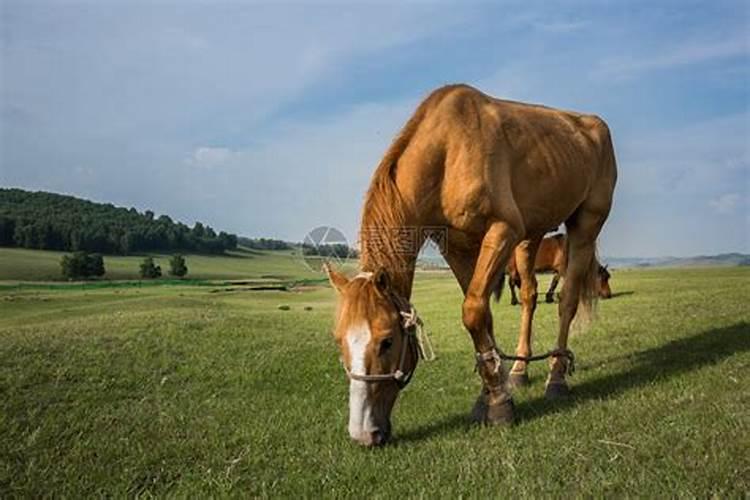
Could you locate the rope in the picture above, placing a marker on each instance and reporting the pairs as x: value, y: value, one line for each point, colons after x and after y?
x: 554, y: 353
x: 412, y: 322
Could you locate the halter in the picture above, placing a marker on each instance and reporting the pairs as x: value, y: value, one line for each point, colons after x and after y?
x: 414, y: 340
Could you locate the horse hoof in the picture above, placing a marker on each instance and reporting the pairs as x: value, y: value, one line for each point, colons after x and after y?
x: 556, y: 390
x: 496, y: 414
x: 549, y: 299
x: 514, y: 302
x: 520, y: 379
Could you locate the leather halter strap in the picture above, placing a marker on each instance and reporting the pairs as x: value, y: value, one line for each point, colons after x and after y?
x: 398, y: 375
x: 413, y: 340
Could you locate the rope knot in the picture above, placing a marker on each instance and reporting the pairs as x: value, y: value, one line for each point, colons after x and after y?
x: 412, y: 325
x: 491, y: 355
x: 568, y: 354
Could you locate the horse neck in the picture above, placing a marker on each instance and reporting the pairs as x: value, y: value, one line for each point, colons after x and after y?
x: 393, y: 249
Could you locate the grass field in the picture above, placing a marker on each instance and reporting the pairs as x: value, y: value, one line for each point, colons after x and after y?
x: 187, y: 390
x: 20, y: 264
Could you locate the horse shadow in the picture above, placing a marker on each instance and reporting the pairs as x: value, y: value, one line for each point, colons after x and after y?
x: 660, y: 363
x: 622, y: 294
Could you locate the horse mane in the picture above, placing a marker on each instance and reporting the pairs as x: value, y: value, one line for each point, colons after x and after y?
x: 385, y: 211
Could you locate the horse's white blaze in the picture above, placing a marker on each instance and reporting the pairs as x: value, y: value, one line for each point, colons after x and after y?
x: 360, y: 412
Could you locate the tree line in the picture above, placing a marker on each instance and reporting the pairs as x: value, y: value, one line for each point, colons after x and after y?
x: 339, y: 250
x: 265, y: 244
x: 49, y: 221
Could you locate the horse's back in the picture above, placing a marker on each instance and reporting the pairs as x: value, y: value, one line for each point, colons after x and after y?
x: 493, y: 159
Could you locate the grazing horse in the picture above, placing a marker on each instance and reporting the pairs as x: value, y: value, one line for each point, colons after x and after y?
x: 551, y: 256
x: 483, y: 176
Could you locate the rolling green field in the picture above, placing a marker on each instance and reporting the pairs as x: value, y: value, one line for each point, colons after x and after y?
x: 201, y: 390
x: 20, y: 264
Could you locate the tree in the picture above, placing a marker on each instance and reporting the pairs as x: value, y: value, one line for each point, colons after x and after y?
x: 228, y: 241
x: 95, y: 265
x: 82, y: 265
x: 149, y: 269
x: 177, y: 266
x: 198, y: 230
x: 259, y: 243
x: 73, y: 266
x: 7, y: 228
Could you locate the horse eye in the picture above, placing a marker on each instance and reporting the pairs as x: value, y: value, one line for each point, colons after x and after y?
x: 385, y: 344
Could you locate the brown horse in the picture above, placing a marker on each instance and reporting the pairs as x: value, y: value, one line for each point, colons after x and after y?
x: 481, y: 175
x: 551, y: 256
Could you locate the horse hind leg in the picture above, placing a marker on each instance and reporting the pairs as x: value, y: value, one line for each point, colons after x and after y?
x: 525, y: 257
x: 549, y: 297
x: 579, y: 289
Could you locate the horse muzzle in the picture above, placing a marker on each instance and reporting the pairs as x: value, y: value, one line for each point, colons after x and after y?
x: 378, y: 437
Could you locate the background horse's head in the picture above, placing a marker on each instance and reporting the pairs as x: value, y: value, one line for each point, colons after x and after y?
x: 605, y: 291
x: 377, y: 351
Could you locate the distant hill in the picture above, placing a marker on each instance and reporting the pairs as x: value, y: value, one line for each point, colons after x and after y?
x: 725, y: 259
x: 434, y: 260
x: 50, y: 221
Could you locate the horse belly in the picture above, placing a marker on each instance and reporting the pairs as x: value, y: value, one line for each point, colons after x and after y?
x: 549, y: 185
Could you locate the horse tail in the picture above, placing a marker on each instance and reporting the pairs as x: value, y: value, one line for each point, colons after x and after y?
x: 588, y: 291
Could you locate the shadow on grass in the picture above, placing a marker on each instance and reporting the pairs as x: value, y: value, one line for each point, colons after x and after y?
x: 657, y: 364
x: 652, y: 365
x: 449, y: 423
x: 621, y: 294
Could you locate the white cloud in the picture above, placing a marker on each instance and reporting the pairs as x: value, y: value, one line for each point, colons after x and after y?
x: 685, y: 53
x: 301, y: 175
x: 210, y: 157
x: 726, y: 203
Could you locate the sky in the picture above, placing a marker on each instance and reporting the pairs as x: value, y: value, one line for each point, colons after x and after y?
x: 268, y: 119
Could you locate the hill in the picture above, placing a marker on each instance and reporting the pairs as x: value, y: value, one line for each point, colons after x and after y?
x: 725, y: 259
x: 50, y: 221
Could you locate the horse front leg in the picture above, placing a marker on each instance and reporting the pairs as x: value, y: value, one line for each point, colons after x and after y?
x: 494, y: 405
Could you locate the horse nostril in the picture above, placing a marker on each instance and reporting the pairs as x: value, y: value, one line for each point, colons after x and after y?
x: 378, y: 438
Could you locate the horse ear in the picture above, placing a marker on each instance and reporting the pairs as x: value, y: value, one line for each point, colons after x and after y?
x: 338, y: 280
x: 382, y: 281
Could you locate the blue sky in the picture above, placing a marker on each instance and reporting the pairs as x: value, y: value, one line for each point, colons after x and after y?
x: 268, y: 119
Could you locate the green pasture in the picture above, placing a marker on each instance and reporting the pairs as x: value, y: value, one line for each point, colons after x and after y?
x: 192, y: 391
x: 20, y: 264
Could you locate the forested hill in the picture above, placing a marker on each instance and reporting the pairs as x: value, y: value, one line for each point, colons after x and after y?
x: 57, y: 222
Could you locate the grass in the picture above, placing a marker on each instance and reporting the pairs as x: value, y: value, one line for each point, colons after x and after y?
x: 195, y: 390
x: 19, y: 264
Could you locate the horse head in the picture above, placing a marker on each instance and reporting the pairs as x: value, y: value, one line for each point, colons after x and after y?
x: 605, y: 291
x: 376, y: 334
